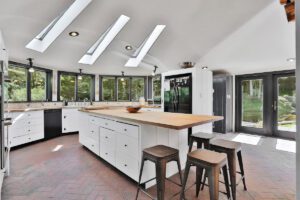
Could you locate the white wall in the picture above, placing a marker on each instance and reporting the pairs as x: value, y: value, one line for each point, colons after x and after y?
x: 298, y: 100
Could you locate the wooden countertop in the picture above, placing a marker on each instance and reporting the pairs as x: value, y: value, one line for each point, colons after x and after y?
x: 162, y: 119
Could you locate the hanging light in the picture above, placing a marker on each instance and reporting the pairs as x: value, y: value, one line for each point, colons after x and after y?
x: 31, y: 69
x: 154, y: 71
x: 80, y: 74
x: 122, y: 79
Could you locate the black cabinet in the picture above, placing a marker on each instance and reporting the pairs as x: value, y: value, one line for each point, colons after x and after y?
x: 53, y: 123
x: 223, y: 102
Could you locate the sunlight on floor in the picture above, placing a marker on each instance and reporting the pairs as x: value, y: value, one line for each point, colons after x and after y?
x: 247, y: 139
x: 286, y: 145
x: 57, y: 148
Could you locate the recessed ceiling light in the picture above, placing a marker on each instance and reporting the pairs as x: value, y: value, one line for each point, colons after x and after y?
x: 73, y: 34
x: 291, y: 59
x: 128, y: 47
x: 205, y: 67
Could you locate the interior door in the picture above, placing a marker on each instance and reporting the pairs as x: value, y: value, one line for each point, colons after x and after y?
x: 285, y: 105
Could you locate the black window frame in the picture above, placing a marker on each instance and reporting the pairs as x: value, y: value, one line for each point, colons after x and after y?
x: 150, y: 87
x: 59, y: 73
x: 49, y: 77
x: 116, y: 87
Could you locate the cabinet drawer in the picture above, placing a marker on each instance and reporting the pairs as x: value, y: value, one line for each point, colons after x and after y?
x: 107, y: 137
x: 108, y: 154
x: 93, y: 132
x: 128, y: 165
x: 34, y: 121
x: 34, y: 114
x: 128, y: 129
x: 91, y: 144
x: 35, y: 129
x: 34, y: 137
x: 19, y: 140
x: 18, y: 131
x: 127, y: 145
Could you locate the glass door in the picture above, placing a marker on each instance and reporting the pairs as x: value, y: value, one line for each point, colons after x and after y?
x: 285, y: 105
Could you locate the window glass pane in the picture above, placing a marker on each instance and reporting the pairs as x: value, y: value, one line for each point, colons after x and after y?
x: 157, y: 88
x: 137, y: 88
x: 67, y: 87
x: 85, y: 88
x: 108, y: 89
x: 286, y: 105
x: 17, y: 88
x: 252, y: 103
x: 38, y: 86
x: 123, y: 89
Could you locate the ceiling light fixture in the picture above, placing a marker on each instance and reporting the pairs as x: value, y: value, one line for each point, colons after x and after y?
x: 128, y: 47
x: 141, y: 52
x: 154, y: 71
x: 205, y: 67
x: 31, y: 69
x: 291, y: 59
x: 106, y: 38
x: 43, y: 40
x: 73, y: 34
x: 80, y: 74
x: 122, y: 79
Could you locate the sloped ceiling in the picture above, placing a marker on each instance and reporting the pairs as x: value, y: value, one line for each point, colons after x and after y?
x: 194, y: 28
x: 262, y: 44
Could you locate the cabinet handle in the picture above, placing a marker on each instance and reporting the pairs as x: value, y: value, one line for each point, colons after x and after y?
x: 28, y: 122
x: 125, y: 165
x: 125, y: 129
x: 65, y: 117
x: 65, y: 129
x: 106, y: 153
x: 125, y: 145
x: 92, y: 145
x: 29, y: 138
x: 106, y: 137
x: 106, y: 124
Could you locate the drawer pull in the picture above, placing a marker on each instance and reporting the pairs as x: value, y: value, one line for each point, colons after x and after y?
x: 92, y: 145
x: 106, y: 153
x: 106, y: 124
x: 106, y: 137
x: 125, y: 129
x: 28, y: 122
x: 65, y: 117
x: 125, y: 145
x: 125, y: 165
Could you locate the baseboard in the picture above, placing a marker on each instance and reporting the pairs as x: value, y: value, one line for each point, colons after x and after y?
x: 2, y: 174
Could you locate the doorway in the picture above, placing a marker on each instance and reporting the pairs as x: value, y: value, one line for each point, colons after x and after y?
x: 266, y: 104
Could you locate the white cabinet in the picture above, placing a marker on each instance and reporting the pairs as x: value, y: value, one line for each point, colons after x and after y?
x: 26, y: 127
x: 70, y: 119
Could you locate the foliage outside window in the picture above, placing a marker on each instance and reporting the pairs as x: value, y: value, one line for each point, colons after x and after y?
x: 156, y: 84
x: 17, y: 88
x: 108, y: 89
x: 38, y: 86
x: 85, y: 86
x: 123, y: 89
x: 67, y: 87
x: 137, y: 88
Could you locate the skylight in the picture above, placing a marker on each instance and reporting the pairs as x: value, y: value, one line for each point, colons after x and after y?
x: 106, y: 38
x: 141, y: 52
x: 43, y: 40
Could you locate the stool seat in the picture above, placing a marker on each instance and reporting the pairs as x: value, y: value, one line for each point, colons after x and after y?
x: 209, y: 157
x: 160, y: 151
x: 203, y: 135
x: 226, y: 144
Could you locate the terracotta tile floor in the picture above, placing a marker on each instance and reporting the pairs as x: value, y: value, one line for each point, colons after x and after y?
x: 72, y: 172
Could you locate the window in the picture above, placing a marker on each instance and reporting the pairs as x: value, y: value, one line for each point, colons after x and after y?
x: 71, y: 88
x: 38, y: 86
x: 85, y: 88
x: 67, y: 87
x: 123, y: 89
x: 137, y: 88
x: 26, y: 86
x: 156, y: 82
x: 108, y: 88
x: 17, y: 88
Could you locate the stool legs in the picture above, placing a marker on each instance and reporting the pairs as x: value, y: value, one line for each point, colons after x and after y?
x: 239, y: 154
x: 179, y: 169
x: 140, y: 177
x: 232, y: 172
x: 199, y: 174
x: 226, y: 180
x: 213, y: 181
x: 185, y: 177
x: 160, y: 179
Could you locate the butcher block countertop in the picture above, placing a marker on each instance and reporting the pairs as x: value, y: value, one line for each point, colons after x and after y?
x: 176, y: 121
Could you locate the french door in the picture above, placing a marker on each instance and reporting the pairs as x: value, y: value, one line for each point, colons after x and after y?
x: 266, y: 104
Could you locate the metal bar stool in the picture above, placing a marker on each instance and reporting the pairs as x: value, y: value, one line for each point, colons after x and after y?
x: 212, y: 162
x: 233, y: 150
x: 160, y: 155
x: 202, y: 140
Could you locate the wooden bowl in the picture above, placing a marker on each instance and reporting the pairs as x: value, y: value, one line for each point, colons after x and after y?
x: 133, y: 109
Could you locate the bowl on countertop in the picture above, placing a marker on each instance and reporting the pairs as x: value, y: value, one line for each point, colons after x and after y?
x: 133, y: 109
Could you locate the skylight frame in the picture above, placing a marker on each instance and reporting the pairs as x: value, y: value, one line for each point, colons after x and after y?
x: 144, y: 48
x: 51, y: 32
x: 103, y: 42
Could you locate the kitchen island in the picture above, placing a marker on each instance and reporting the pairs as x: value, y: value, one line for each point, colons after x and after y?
x: 119, y: 137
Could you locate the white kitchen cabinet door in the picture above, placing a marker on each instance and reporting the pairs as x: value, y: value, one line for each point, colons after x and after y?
x: 70, y: 120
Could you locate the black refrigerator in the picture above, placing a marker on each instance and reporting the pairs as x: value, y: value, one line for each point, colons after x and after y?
x: 178, y: 93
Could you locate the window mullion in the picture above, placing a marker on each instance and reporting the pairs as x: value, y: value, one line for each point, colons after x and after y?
x: 28, y: 85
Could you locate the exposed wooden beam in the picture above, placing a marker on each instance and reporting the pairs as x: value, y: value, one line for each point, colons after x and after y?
x: 290, y: 11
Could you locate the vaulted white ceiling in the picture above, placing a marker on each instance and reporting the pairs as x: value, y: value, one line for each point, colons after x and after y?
x: 193, y: 29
